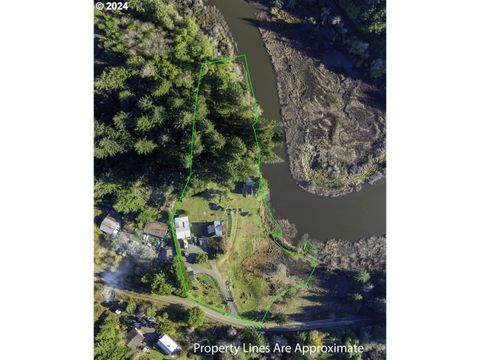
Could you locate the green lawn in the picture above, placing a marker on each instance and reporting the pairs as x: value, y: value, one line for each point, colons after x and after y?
x: 198, y: 210
x: 249, y: 292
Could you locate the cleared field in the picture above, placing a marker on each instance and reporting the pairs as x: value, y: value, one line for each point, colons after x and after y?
x: 249, y: 291
x: 245, y: 233
x: 198, y: 210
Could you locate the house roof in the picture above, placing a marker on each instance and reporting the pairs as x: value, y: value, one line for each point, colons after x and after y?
x: 182, y: 227
x: 156, y: 228
x: 136, y: 337
x: 167, y: 344
x: 216, y: 228
x: 109, y: 224
x: 182, y: 222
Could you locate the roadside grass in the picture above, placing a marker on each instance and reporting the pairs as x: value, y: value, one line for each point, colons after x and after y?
x: 205, y: 289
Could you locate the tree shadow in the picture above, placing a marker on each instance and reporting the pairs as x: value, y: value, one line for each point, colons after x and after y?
x: 176, y: 312
x: 310, y: 41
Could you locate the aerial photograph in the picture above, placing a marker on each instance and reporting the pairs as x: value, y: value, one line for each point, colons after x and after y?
x: 239, y: 179
x: 207, y: 180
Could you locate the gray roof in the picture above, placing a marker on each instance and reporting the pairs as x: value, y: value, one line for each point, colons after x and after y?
x: 136, y: 337
x: 216, y: 228
x: 109, y: 224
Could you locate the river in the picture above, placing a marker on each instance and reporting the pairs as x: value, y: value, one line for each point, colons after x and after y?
x: 349, y: 217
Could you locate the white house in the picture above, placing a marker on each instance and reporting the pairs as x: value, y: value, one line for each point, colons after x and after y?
x: 167, y: 345
x: 109, y: 225
x: 182, y: 227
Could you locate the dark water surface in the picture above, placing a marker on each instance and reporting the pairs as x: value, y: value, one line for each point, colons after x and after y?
x: 348, y: 217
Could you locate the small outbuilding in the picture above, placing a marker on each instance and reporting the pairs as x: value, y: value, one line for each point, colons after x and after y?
x: 110, y: 225
x: 167, y: 345
x: 248, y: 187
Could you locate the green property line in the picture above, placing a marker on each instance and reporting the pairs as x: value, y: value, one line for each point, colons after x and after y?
x: 308, y: 247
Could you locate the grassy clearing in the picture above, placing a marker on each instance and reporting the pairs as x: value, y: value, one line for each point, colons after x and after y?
x: 205, y: 289
x: 250, y: 293
x: 245, y: 231
x: 198, y: 211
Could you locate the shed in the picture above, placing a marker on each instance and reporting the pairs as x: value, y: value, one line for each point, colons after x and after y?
x: 247, y: 189
x: 190, y: 271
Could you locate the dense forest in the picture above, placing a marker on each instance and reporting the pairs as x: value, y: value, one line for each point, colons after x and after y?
x: 146, y: 73
x: 370, y: 18
x: 358, y: 27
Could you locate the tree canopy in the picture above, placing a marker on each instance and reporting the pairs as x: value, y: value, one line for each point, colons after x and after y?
x: 108, y: 342
x: 195, y: 317
x: 146, y: 73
